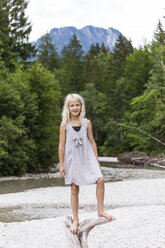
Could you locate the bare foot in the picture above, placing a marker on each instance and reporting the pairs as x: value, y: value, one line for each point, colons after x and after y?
x: 106, y: 215
x: 74, y: 227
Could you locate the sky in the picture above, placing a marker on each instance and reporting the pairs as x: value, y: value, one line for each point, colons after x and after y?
x: 135, y: 19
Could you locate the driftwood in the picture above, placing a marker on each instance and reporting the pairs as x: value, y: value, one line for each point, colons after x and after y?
x: 79, y: 240
x: 158, y: 165
x: 141, y: 159
x: 153, y: 162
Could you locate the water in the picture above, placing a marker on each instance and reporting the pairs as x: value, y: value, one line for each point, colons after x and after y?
x: 24, y: 213
x: 13, y: 186
x: 111, y: 174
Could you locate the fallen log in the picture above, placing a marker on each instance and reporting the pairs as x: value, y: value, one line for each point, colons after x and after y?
x: 79, y: 240
x: 141, y: 159
x: 158, y: 165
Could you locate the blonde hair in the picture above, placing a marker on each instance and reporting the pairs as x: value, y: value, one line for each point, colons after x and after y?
x: 65, y: 112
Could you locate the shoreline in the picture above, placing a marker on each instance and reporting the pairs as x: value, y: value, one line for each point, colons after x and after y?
x: 57, y: 174
x: 30, y: 176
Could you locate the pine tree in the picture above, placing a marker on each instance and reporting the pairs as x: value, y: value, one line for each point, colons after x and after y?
x: 95, y: 64
x: 72, y: 79
x: 47, y: 53
x: 159, y: 34
x: 6, y: 39
x: 104, y: 49
x: 14, y: 32
x: 114, y: 72
x: 121, y: 50
x: 93, y: 52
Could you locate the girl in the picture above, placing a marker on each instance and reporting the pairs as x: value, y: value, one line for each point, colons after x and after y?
x: 78, y: 156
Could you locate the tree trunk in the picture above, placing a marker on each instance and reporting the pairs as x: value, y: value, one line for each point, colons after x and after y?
x: 79, y: 240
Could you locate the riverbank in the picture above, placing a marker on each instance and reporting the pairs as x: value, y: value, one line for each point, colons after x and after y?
x: 32, y: 181
x: 110, y: 162
x: 138, y: 205
x: 105, y: 167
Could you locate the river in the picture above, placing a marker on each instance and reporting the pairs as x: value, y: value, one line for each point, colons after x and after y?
x: 33, y: 211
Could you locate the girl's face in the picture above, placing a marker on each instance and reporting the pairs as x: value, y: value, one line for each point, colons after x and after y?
x: 74, y: 108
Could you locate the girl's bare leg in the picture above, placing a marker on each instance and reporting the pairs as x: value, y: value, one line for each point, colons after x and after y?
x: 100, y: 199
x: 74, y: 204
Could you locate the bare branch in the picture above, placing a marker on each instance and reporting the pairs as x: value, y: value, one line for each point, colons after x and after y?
x: 79, y: 240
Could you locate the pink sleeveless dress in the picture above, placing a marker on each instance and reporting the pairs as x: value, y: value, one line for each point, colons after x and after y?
x: 80, y: 163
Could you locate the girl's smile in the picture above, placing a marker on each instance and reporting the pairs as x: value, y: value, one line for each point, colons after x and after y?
x: 74, y: 107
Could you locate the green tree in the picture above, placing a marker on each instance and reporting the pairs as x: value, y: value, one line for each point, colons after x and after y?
x: 6, y: 54
x: 93, y: 52
x: 117, y: 58
x: 104, y: 49
x: 72, y: 73
x: 16, y: 144
x: 96, y: 103
x: 135, y: 77
x: 47, y: 53
x: 16, y: 147
x: 46, y: 128
x: 95, y: 66
x: 29, y: 120
x: 14, y: 32
x: 114, y: 72
x: 159, y: 33
x: 147, y: 110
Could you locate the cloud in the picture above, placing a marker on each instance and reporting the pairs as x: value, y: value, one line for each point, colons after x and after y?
x: 135, y: 19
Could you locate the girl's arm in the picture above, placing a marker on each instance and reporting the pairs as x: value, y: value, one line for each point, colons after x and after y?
x: 91, y: 139
x: 61, y: 150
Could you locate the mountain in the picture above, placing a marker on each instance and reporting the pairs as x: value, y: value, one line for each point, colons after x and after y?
x: 87, y: 35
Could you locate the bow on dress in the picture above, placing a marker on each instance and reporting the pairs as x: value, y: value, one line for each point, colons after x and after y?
x: 78, y: 140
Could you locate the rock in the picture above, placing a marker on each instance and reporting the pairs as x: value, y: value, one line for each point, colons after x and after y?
x: 136, y: 158
x: 53, y: 169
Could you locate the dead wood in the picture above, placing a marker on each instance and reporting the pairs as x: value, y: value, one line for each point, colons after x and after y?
x: 141, y: 159
x: 79, y: 240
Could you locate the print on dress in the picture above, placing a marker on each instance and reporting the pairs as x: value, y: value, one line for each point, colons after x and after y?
x: 78, y: 140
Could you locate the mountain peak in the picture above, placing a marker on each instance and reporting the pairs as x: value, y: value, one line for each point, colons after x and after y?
x: 87, y: 35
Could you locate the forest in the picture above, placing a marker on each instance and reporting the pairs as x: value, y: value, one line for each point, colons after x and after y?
x: 124, y: 92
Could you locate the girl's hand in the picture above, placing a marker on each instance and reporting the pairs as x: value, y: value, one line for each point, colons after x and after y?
x: 62, y: 171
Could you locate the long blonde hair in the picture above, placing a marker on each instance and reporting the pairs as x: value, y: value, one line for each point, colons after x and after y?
x: 65, y: 112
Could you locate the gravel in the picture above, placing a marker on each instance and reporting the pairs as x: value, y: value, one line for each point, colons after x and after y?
x: 137, y: 205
